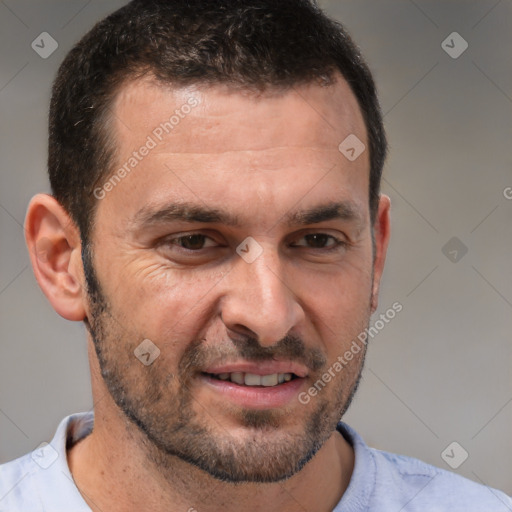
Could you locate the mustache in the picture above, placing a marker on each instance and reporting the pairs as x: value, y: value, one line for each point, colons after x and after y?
x: 202, y: 354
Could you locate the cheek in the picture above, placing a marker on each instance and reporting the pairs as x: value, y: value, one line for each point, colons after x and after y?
x: 163, y: 304
x: 345, y: 287
x: 338, y: 305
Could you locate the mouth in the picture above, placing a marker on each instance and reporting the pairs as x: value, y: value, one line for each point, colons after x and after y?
x: 267, y: 386
x: 252, y: 379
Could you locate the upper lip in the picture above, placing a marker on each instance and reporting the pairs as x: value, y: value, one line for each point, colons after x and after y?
x: 259, y: 368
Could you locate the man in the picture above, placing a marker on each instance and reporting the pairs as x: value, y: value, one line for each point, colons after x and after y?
x: 216, y: 222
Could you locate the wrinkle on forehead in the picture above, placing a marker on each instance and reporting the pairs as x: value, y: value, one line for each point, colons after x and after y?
x: 240, y: 122
x: 261, y: 154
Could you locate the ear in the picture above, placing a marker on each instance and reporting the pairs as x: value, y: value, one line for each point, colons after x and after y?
x: 382, y: 230
x: 53, y: 241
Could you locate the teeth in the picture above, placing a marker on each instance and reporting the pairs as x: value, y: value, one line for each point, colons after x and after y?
x: 251, y: 379
x: 270, y: 380
x: 237, y: 378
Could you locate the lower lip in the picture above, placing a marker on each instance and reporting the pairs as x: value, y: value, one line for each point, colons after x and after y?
x: 256, y: 397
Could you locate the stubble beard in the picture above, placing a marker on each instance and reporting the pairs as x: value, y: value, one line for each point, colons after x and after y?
x: 161, y: 406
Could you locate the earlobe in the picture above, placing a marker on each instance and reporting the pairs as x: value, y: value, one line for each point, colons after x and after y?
x: 382, y: 230
x: 53, y: 241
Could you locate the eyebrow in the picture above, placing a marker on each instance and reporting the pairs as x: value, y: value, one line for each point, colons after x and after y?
x: 342, y: 210
x: 184, y: 212
x: 189, y: 212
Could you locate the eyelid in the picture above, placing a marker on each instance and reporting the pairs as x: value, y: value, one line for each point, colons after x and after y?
x: 339, y: 238
x: 320, y: 231
x: 171, y: 242
x: 339, y: 241
x: 174, y: 238
x: 186, y: 235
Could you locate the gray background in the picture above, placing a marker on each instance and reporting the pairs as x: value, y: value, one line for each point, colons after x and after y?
x: 440, y: 370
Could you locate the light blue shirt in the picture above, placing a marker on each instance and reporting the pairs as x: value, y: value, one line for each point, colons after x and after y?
x: 381, y: 482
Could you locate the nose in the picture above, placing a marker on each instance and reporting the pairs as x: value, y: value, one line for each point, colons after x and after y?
x: 260, y: 301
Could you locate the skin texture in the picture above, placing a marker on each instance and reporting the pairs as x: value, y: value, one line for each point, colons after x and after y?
x: 259, y: 159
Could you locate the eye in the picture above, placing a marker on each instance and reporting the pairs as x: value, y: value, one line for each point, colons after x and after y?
x: 193, y: 242
x: 319, y: 241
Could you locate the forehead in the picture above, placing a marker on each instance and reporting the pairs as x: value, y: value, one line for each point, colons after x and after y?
x: 321, y: 116
x: 221, y: 147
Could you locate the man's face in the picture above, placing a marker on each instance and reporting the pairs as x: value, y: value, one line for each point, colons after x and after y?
x: 233, y: 326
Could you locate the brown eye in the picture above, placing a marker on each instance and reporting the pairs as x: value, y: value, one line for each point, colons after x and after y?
x: 318, y: 240
x: 191, y: 242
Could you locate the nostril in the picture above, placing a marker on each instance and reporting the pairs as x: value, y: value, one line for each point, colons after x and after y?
x: 241, y: 334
